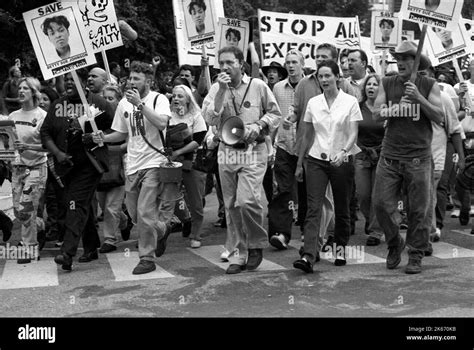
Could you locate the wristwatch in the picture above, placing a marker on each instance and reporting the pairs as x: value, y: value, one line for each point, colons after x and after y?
x: 140, y: 106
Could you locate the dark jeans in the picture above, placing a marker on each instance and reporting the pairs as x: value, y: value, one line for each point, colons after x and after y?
x: 280, y: 213
x: 80, y: 185
x: 318, y: 174
x: 389, y: 179
x: 220, y: 197
x: 302, y: 202
x: 268, y: 184
x: 56, y: 213
x: 443, y: 186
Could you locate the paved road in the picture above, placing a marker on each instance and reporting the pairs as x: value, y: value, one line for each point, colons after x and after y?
x: 192, y: 282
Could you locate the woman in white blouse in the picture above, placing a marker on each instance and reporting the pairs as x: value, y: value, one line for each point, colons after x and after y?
x: 328, y: 147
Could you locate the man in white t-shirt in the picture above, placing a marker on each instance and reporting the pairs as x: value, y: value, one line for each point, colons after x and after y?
x: 141, y: 115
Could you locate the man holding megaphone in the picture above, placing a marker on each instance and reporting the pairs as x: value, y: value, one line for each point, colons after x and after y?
x: 244, y: 111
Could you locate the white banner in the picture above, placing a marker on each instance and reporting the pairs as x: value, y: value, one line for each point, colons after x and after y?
x: 386, y: 30
x: 444, y: 46
x: 101, y: 24
x: 282, y: 32
x: 196, y: 23
x: 443, y: 14
x: 232, y: 32
x: 58, y: 37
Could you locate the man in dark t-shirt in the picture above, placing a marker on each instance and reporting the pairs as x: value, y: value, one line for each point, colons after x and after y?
x: 409, y: 108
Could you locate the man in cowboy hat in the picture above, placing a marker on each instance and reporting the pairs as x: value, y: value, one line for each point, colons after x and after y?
x: 409, y: 108
x: 274, y: 73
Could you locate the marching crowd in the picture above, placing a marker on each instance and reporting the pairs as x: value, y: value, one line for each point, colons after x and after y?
x: 322, y: 143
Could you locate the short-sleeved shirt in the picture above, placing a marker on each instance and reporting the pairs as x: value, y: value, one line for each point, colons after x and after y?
x: 28, y: 125
x: 332, y: 125
x: 128, y: 119
x: 408, y: 135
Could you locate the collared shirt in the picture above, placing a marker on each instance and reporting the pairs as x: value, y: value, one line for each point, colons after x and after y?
x: 259, y: 104
x: 285, y: 96
x: 306, y: 89
x: 332, y: 125
x: 358, y: 85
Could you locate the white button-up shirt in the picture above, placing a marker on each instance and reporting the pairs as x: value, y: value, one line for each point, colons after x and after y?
x: 332, y: 125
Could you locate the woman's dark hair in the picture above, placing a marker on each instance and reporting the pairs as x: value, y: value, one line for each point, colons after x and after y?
x: 198, y: 3
x: 364, y: 84
x: 232, y: 30
x: 56, y: 19
x: 51, y: 93
x: 331, y: 65
x: 388, y: 21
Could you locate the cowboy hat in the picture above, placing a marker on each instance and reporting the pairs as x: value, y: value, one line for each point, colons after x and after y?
x: 281, y: 70
x: 410, y: 48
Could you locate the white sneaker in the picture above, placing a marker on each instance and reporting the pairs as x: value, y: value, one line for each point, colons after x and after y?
x: 434, y: 237
x: 279, y: 241
x: 225, y: 256
x: 195, y: 243
x: 455, y: 213
x: 302, y: 238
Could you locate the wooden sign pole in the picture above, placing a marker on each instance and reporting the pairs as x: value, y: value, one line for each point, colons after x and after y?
x: 90, y: 117
x: 106, y: 65
x: 418, y: 53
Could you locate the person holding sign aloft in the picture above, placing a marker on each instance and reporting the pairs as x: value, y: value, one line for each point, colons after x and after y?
x: 406, y: 156
x: 66, y: 133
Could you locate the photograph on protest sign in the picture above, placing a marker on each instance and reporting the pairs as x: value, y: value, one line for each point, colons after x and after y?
x: 101, y: 24
x: 408, y: 35
x: 386, y: 30
x: 59, y: 38
x: 8, y: 136
x: 199, y: 19
x: 190, y: 49
x: 436, y: 13
x: 282, y: 32
x: 446, y: 45
x: 232, y: 32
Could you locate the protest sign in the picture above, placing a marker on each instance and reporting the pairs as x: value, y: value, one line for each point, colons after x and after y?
x: 8, y: 136
x: 386, y: 30
x: 435, y: 13
x: 444, y: 46
x: 282, y: 32
x: 469, y: 26
x: 101, y: 24
x: 232, y: 32
x: 59, y: 38
x: 196, y: 23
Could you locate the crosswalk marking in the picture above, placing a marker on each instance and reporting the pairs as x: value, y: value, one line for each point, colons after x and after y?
x: 212, y: 254
x: 464, y: 232
x: 356, y: 254
x: 123, y: 264
x: 43, y: 273
x: 443, y: 250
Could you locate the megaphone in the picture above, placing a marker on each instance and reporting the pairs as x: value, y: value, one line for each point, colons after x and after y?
x: 232, y: 131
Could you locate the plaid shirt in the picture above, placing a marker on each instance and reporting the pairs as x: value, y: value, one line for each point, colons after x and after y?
x: 285, y: 96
